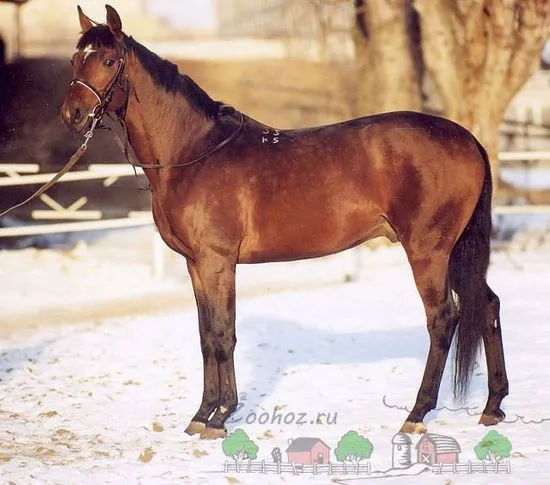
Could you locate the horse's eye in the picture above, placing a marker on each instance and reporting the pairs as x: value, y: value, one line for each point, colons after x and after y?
x: 109, y: 62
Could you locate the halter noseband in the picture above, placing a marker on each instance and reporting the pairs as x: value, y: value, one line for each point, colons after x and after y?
x: 102, y: 100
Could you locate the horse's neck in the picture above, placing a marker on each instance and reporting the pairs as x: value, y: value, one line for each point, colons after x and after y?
x: 163, y: 128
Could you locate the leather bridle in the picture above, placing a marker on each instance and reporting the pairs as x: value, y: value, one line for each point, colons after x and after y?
x: 103, y: 100
x: 95, y: 114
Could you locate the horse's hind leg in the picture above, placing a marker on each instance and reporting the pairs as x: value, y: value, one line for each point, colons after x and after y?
x: 431, y: 277
x: 496, y: 370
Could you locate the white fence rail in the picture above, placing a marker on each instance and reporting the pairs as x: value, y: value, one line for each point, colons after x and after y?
x: 19, y: 174
x: 525, y: 156
x: 36, y: 229
x: 109, y: 172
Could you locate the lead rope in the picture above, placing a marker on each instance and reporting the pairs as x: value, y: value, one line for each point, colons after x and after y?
x: 70, y: 164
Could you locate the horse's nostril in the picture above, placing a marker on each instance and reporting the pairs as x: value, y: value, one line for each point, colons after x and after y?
x: 77, y: 116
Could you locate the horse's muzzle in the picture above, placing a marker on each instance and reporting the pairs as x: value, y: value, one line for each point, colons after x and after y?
x: 74, y: 116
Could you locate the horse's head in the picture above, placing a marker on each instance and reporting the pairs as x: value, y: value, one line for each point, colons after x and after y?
x: 99, y: 83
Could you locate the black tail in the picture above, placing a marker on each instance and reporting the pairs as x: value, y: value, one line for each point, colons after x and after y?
x: 468, y: 272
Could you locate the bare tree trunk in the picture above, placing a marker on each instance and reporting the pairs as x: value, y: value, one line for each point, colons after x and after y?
x: 322, y: 23
x: 388, y: 77
x: 479, y: 53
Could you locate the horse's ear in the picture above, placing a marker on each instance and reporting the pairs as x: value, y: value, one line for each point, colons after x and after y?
x: 85, y: 23
x: 114, y: 22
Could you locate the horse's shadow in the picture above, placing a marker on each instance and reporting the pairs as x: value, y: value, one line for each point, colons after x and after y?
x: 293, y: 344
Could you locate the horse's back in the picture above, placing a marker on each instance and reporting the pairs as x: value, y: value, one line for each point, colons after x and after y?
x: 320, y: 190
x: 370, y: 150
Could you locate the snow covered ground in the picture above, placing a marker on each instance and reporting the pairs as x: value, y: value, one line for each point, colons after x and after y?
x: 100, y: 366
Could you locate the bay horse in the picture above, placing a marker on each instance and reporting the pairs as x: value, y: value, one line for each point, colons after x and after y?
x: 227, y: 189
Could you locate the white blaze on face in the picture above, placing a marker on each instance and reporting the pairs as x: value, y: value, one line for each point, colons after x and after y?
x: 87, y: 51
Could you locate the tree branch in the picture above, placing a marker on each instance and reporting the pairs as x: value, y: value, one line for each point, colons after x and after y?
x: 533, y: 28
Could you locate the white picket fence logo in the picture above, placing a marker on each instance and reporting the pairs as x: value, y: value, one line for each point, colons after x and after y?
x: 470, y: 467
x: 257, y: 466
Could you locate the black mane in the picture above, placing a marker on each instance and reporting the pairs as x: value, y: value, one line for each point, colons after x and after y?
x: 164, y: 73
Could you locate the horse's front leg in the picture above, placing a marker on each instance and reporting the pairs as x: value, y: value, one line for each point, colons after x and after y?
x: 211, y: 391
x: 213, y: 278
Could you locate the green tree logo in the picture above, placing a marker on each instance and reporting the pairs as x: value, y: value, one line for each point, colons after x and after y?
x: 353, y: 447
x: 239, y: 447
x: 493, y: 447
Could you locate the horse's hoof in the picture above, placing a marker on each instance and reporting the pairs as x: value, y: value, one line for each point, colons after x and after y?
x: 488, y: 420
x: 195, y: 427
x: 213, y: 433
x: 413, y: 428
